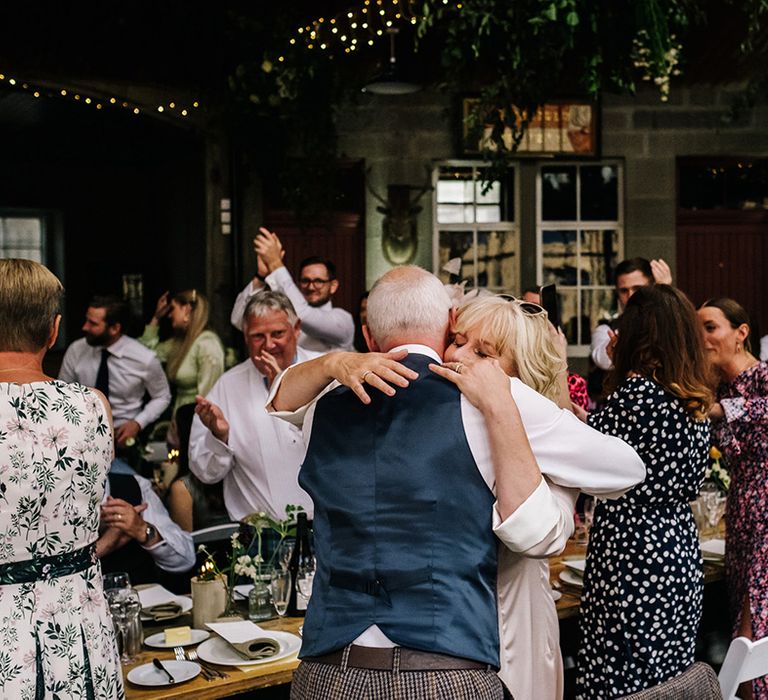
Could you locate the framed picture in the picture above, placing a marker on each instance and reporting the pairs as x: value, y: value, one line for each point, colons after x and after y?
x: 567, y: 128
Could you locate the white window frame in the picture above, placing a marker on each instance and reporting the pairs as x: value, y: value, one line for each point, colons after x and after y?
x: 578, y: 350
x: 27, y: 214
x: 475, y: 227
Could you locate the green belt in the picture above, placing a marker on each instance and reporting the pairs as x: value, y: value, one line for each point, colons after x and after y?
x: 46, y: 568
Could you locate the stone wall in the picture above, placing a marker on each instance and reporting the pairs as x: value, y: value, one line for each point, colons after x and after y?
x: 398, y: 136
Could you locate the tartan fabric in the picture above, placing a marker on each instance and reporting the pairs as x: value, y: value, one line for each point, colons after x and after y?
x: 697, y: 682
x: 314, y: 681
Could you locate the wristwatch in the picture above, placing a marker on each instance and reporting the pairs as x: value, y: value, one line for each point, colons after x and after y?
x: 150, y: 533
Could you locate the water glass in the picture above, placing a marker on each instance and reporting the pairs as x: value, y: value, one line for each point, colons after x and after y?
x: 116, y: 579
x: 280, y: 587
x: 125, y: 607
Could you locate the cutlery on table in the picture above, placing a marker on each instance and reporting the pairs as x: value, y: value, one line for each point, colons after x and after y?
x: 159, y: 664
x: 204, y: 672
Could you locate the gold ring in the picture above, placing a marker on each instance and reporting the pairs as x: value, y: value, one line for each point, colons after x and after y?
x: 458, y: 367
x: 365, y: 374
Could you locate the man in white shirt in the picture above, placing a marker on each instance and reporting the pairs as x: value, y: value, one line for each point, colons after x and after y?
x: 323, y: 326
x: 119, y: 366
x: 630, y: 275
x: 233, y: 439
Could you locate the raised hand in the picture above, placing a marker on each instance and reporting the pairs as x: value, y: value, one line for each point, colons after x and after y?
x: 163, y: 306
x: 269, y: 250
x: 662, y: 274
x: 212, y: 418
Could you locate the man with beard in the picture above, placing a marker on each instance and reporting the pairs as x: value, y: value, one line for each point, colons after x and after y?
x: 119, y: 366
x: 323, y: 326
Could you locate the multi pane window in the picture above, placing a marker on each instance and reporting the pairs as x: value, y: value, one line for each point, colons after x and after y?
x: 580, y: 241
x: 22, y: 237
x: 475, y: 222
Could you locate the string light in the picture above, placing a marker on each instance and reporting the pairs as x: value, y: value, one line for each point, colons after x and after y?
x: 358, y: 26
x: 99, y: 101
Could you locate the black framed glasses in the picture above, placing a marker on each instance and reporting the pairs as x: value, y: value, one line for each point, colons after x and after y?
x: 527, y: 307
x: 312, y: 282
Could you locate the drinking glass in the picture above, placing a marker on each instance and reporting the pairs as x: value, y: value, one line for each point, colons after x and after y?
x: 125, y: 607
x: 284, y: 553
x: 305, y: 578
x: 280, y: 587
x: 116, y: 579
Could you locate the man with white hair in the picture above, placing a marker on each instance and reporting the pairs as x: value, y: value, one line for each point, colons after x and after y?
x: 403, y: 503
x: 233, y: 439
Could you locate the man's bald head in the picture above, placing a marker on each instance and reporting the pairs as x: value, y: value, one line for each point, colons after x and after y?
x: 408, y: 305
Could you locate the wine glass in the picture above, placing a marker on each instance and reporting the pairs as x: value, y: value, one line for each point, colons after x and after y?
x: 280, y: 587
x: 305, y: 577
x: 284, y: 553
x: 116, y: 579
x: 125, y: 607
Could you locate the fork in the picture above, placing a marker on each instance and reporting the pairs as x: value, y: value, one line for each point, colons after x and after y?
x: 192, y: 656
x: 180, y: 656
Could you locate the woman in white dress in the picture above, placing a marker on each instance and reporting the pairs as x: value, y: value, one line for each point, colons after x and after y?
x: 56, y: 635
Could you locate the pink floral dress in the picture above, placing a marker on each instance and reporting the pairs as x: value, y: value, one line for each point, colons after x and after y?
x: 743, y: 438
x: 56, y: 635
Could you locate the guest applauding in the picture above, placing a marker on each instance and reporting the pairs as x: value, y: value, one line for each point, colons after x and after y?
x: 643, y: 584
x: 740, y: 425
x: 55, y: 450
x: 194, y: 356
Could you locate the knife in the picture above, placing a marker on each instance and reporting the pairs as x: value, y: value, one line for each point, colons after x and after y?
x: 158, y: 664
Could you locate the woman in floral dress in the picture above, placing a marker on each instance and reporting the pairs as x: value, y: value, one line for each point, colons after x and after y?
x: 643, y: 583
x: 740, y: 424
x: 56, y: 635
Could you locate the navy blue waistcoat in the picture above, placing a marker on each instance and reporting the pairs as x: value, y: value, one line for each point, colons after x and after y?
x: 402, y: 525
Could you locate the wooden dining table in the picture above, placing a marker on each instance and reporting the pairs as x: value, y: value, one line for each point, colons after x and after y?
x: 237, y: 680
x: 568, y: 603
x: 281, y: 672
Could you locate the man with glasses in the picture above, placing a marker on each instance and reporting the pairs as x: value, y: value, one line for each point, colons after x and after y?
x: 323, y: 327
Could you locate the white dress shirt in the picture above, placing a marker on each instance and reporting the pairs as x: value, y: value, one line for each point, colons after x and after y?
x: 176, y: 551
x: 569, y: 453
x: 323, y: 328
x: 260, y: 463
x: 133, y: 369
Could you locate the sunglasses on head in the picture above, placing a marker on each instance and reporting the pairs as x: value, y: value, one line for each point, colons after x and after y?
x: 527, y: 307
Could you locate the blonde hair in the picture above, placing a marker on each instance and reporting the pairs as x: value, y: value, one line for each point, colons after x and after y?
x: 522, y: 338
x: 30, y: 297
x: 198, y: 322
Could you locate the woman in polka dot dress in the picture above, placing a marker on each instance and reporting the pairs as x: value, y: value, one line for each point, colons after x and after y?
x: 643, y: 583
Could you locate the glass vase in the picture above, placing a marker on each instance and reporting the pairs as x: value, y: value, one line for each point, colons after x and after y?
x: 260, y: 602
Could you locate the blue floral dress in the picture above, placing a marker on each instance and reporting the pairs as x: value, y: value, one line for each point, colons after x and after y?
x: 643, y: 584
x: 56, y: 635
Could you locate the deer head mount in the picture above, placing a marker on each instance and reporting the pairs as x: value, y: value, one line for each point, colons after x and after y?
x: 399, y: 239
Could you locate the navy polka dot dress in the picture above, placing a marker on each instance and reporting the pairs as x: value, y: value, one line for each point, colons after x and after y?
x: 643, y: 584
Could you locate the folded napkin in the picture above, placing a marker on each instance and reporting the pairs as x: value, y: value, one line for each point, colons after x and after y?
x: 163, y: 611
x: 246, y: 638
x: 261, y: 648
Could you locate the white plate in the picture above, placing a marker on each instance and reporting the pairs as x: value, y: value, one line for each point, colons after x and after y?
x: 576, y: 565
x: 567, y: 576
x: 158, y: 640
x: 182, y: 600
x: 148, y: 675
x: 556, y: 595
x: 218, y: 651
